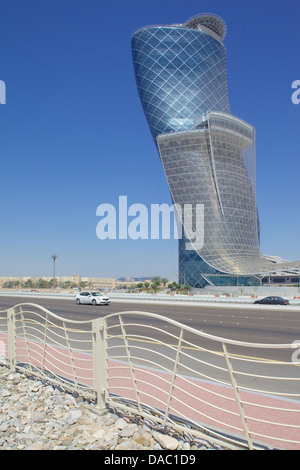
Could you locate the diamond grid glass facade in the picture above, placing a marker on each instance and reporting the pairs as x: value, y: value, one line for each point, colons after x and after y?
x: 208, y: 154
x: 180, y: 74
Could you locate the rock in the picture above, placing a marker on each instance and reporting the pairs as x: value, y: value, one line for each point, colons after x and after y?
x: 67, y: 442
x: 128, y: 431
x: 110, y: 436
x: 165, y: 441
x: 120, y: 423
x: 143, y: 439
x: 186, y: 446
x: 99, y: 434
x: 24, y: 436
x: 48, y: 391
x: 73, y: 416
x: 124, y: 445
x: 35, y: 416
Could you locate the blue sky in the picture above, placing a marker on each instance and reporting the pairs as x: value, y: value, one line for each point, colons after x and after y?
x: 74, y: 136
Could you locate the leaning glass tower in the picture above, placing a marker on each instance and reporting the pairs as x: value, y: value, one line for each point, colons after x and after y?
x: 208, y: 154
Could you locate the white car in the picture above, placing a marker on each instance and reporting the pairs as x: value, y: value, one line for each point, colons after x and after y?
x: 94, y: 298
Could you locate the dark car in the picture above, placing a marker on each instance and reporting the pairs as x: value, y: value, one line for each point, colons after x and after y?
x: 272, y: 301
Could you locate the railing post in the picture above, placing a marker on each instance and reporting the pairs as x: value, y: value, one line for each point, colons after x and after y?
x: 11, y: 333
x: 100, y: 360
x: 174, y: 375
x: 130, y: 364
x: 237, y: 396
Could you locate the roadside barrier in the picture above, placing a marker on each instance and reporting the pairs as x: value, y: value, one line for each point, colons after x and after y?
x: 242, y: 394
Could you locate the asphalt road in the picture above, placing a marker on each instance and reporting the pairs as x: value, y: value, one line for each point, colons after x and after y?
x: 257, y: 325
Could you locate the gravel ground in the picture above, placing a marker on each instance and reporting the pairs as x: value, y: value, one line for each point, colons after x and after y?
x: 37, y: 416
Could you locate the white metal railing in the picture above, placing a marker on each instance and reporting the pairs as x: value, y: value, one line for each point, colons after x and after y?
x: 244, y: 394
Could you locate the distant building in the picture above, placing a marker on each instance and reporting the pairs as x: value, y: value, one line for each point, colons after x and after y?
x: 76, y: 278
x: 91, y: 282
x: 100, y: 282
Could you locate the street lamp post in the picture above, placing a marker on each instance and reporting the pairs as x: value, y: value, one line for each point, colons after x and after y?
x: 54, y: 257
